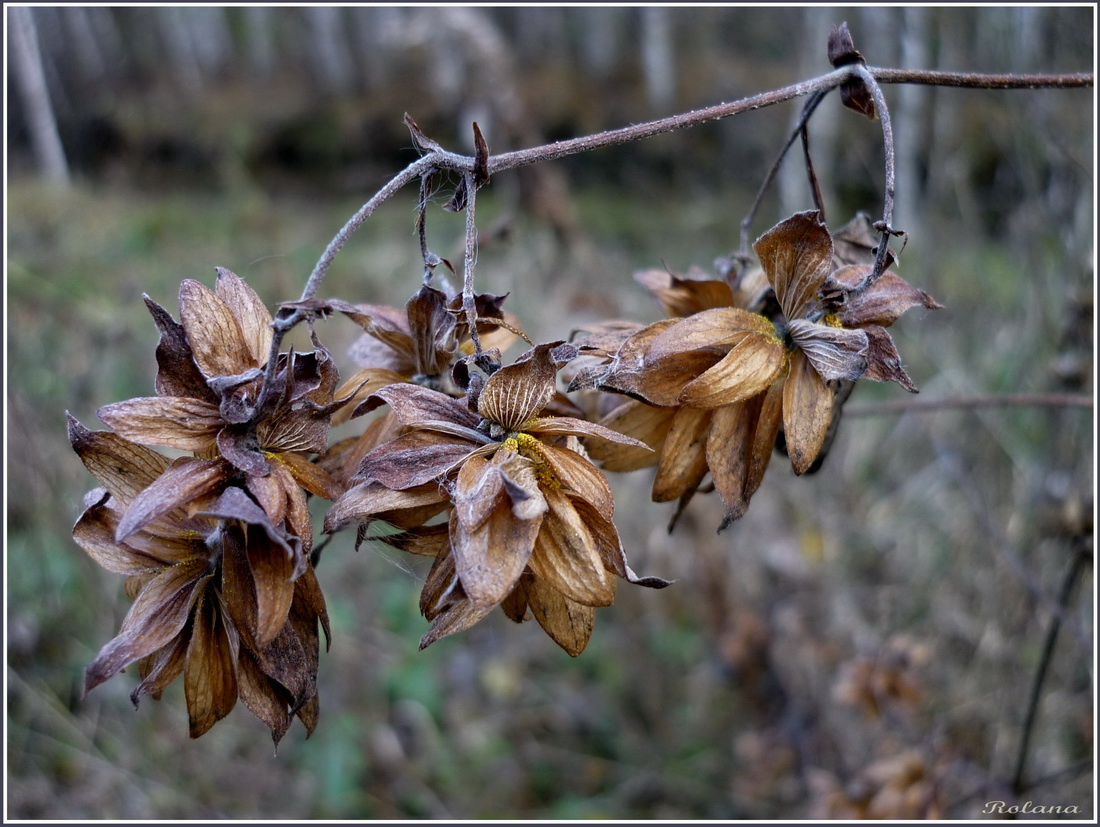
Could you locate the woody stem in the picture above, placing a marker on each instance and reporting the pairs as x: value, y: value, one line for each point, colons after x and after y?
x: 443, y: 160
x: 469, y: 304
x: 888, y: 199
x: 807, y: 111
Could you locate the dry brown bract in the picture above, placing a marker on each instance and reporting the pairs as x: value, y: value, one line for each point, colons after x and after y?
x: 221, y: 594
x: 530, y: 517
x: 712, y: 390
x: 417, y: 344
x: 212, y: 400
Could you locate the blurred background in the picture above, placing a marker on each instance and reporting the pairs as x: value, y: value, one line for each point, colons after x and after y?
x: 863, y: 643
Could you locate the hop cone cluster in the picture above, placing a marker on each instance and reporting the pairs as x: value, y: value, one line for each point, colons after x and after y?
x: 488, y: 469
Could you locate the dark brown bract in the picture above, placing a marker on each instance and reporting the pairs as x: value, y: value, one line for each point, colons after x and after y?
x: 711, y: 391
x: 530, y: 518
x: 221, y: 595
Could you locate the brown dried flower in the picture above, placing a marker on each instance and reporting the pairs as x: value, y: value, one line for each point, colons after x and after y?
x: 419, y: 343
x: 712, y: 390
x: 531, y: 518
x: 213, y: 400
x: 220, y: 594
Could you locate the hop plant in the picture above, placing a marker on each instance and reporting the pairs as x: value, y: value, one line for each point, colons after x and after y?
x: 489, y: 470
x: 715, y: 388
x: 530, y: 520
x: 221, y: 594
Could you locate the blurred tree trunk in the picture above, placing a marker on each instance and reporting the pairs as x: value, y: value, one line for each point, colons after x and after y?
x: 199, y: 44
x: 260, y: 41
x: 910, y: 134
x: 31, y: 78
x: 793, y: 181
x: 658, y: 61
x: 599, y: 40
x: 90, y: 58
x: 329, y: 49
x: 375, y: 31
x: 540, y: 32
x: 175, y: 27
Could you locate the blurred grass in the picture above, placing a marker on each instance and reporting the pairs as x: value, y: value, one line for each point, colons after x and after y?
x: 713, y: 699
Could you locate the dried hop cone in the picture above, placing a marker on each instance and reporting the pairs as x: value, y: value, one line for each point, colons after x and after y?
x: 529, y: 518
x: 214, y: 399
x: 714, y: 389
x: 221, y: 594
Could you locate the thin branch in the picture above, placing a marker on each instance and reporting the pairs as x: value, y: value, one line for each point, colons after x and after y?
x: 615, y: 137
x: 799, y: 129
x: 1024, y: 400
x: 444, y: 160
x: 409, y: 173
x: 999, y: 542
x: 975, y: 80
x: 815, y: 187
x: 1077, y: 564
x: 429, y: 258
x: 469, y: 302
x: 886, y: 227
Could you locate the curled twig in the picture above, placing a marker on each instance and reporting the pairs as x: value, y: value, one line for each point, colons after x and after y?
x: 799, y: 129
x: 885, y: 226
x: 437, y: 158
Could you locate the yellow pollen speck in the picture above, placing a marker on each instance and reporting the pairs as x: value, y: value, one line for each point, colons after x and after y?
x: 832, y: 320
x: 528, y: 442
x: 511, y: 444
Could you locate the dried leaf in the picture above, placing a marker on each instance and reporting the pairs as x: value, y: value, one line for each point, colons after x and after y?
x: 683, y: 458
x: 647, y: 422
x: 422, y: 142
x: 160, y: 669
x: 372, y: 500
x: 95, y: 533
x: 481, y: 158
x: 797, y: 256
x: 807, y: 410
x: 685, y: 296
x: 566, y: 556
x: 185, y: 481
x: 459, y: 617
x: 883, y: 361
x: 835, y: 352
x: 748, y: 369
x: 250, y: 312
x: 883, y: 302
x: 433, y: 331
x: 172, y: 421
x: 210, y: 676
x: 124, y: 468
x: 423, y: 541
x: 490, y: 555
x: 571, y: 426
x: 729, y: 453
x: 311, y: 476
x: 262, y: 696
x: 218, y: 345
x: 158, y: 614
x: 418, y: 407
x: 569, y: 624
x: 177, y: 373
x: 580, y: 477
x: 414, y: 458
x: 518, y: 392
